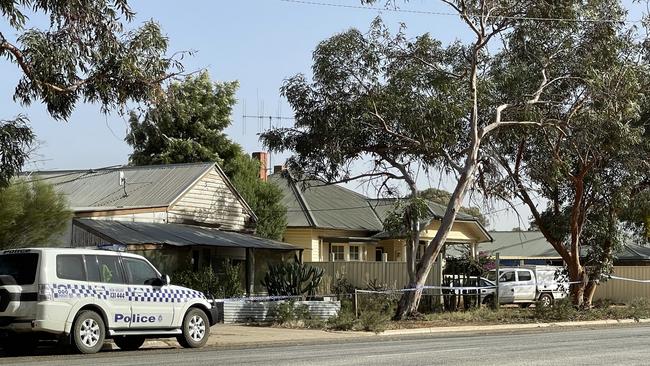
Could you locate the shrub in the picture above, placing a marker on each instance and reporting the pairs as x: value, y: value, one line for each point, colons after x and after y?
x: 374, y: 321
x: 345, y: 319
x: 342, y: 287
x: 562, y: 310
x: 639, y: 309
x: 290, y: 314
x: 205, y: 280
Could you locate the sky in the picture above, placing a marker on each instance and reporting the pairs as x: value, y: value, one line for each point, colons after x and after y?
x: 260, y: 43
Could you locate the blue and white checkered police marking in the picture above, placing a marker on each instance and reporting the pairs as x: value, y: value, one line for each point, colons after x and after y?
x: 161, y: 295
x: 131, y: 293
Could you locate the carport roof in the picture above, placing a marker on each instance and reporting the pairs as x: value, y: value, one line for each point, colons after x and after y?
x: 136, y: 233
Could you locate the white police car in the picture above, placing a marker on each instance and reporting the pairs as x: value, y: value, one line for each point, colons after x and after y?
x: 86, y: 295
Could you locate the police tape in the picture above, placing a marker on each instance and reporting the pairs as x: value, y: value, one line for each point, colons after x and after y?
x: 613, y: 277
x: 454, y: 289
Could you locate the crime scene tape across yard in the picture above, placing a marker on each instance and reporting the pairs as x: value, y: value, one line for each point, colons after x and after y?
x: 455, y: 289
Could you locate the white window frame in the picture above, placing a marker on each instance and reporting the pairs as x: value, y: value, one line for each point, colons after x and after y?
x: 358, y: 249
x: 335, y: 252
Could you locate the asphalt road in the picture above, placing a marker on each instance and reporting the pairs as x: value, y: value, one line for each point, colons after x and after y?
x: 602, y: 346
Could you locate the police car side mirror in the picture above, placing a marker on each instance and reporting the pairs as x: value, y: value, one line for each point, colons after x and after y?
x: 166, y: 280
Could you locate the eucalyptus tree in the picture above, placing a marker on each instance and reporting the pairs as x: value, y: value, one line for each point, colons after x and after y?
x: 407, y: 105
x: 84, y: 54
x: 590, y: 163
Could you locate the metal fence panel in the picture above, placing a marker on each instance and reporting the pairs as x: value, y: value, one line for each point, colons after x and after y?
x: 390, y: 274
x: 621, y: 291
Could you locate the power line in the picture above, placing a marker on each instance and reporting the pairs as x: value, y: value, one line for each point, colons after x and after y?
x: 440, y: 13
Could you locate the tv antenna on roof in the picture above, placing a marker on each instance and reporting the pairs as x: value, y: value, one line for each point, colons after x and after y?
x: 261, y: 118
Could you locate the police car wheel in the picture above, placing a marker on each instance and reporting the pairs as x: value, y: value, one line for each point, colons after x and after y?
x: 88, y: 332
x: 129, y: 343
x: 196, y: 329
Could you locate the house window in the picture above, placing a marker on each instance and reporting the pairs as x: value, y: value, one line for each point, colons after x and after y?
x: 355, y: 253
x: 338, y: 252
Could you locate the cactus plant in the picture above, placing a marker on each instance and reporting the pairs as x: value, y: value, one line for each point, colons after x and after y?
x: 292, y: 279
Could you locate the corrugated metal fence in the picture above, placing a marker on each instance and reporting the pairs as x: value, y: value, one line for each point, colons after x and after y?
x: 391, y: 274
x: 621, y: 291
x: 253, y: 311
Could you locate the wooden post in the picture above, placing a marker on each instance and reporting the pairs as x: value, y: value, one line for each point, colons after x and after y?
x: 356, y: 305
x: 250, y: 272
x: 496, y: 292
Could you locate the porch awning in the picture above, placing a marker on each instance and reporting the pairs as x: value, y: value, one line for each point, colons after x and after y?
x: 140, y: 233
x: 349, y: 239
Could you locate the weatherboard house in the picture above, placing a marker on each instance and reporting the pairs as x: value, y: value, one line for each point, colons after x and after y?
x: 178, y: 216
x: 331, y: 223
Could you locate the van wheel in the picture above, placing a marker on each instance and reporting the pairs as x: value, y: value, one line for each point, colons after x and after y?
x: 88, y: 332
x: 129, y: 343
x: 19, y: 344
x: 196, y: 329
x: 545, y: 300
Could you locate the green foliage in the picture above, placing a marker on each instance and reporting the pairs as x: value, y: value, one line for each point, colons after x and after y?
x: 230, y: 280
x: 31, y: 213
x: 84, y: 55
x: 187, y: 127
x: 292, y: 279
x: 342, y: 287
x: 292, y: 314
x: 443, y: 197
x: 468, y: 265
x: 400, y: 220
x: 345, y: 319
x: 225, y: 285
x: 16, y: 138
x: 590, y: 161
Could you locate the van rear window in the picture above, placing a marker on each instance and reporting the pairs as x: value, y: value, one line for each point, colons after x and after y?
x: 22, y: 267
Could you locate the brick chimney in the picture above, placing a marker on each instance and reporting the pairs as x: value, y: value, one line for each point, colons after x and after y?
x: 262, y: 157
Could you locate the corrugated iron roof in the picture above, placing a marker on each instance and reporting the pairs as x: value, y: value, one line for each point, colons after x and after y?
x: 533, y: 244
x: 135, y: 233
x: 315, y: 204
x: 146, y: 186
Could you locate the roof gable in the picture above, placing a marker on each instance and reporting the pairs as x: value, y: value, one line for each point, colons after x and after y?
x: 145, y: 186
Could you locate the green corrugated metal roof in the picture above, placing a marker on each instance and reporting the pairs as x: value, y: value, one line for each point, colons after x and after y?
x: 315, y: 204
x: 514, y: 244
x: 146, y: 186
x: 533, y: 244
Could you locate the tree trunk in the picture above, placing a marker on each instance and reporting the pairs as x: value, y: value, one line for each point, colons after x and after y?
x: 410, y: 300
x: 577, y: 274
x: 589, y: 294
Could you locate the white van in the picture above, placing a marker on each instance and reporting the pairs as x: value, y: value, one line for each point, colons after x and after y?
x: 87, y: 295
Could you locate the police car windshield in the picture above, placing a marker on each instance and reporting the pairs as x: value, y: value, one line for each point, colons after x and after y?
x: 22, y: 267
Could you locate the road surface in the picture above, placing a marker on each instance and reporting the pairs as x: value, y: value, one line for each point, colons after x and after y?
x: 601, y: 346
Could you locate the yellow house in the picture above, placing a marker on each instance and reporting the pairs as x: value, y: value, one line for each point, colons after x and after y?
x: 333, y: 223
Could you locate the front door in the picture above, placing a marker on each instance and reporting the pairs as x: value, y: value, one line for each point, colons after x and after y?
x: 151, y: 303
x: 379, y: 254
